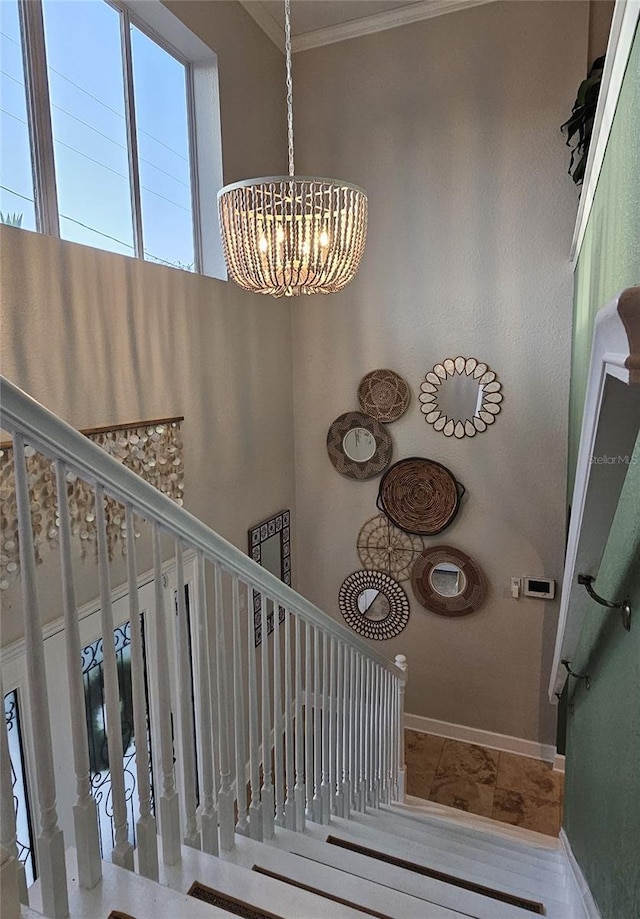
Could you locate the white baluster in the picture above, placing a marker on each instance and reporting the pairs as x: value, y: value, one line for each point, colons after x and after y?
x: 352, y: 778
x: 338, y: 759
x: 146, y: 830
x: 300, y: 789
x: 13, y: 882
x: 325, y: 793
x: 333, y: 733
x: 401, y: 663
x: 377, y: 734
x: 122, y: 853
x: 356, y: 774
x: 364, y: 735
x: 51, y: 859
x: 255, y: 808
x: 277, y: 721
x: 289, y: 804
x: 347, y: 729
x: 266, y: 792
x: 384, y: 727
x: 208, y: 735
x: 242, y: 825
x: 85, y: 812
x: 185, y: 694
x: 335, y: 765
x: 169, y: 801
x: 225, y: 795
x: 317, y: 728
x: 393, y: 732
x: 308, y: 721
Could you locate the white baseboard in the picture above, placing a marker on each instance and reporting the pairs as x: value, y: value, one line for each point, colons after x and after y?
x: 558, y: 763
x: 591, y: 910
x: 503, y: 742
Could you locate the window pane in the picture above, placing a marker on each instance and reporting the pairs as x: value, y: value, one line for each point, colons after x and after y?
x: 163, y: 148
x: 16, y: 180
x: 84, y: 62
x: 24, y: 830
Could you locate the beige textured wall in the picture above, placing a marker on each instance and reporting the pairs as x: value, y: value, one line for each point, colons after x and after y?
x: 452, y: 126
x: 101, y: 338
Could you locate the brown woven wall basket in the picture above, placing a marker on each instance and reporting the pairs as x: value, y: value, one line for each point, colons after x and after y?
x: 420, y: 496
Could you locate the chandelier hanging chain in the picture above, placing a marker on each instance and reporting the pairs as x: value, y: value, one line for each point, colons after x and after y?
x: 287, y: 45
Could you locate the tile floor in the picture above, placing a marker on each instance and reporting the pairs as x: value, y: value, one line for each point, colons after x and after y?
x: 513, y: 789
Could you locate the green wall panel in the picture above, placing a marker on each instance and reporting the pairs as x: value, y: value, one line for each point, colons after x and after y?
x: 602, y: 790
x: 610, y: 256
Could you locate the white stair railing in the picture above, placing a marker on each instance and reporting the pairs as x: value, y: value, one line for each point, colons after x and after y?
x: 317, y: 726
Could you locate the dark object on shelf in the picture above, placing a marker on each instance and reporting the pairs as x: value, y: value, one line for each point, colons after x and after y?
x: 420, y: 496
x: 580, y: 122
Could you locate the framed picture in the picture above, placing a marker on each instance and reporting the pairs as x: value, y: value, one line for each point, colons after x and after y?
x: 270, y: 546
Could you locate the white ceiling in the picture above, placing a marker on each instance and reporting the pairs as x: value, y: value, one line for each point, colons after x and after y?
x: 323, y: 22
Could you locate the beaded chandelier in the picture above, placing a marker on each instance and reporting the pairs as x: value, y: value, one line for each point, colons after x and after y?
x: 291, y: 235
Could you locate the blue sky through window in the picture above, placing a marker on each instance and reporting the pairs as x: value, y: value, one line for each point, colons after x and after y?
x: 86, y: 85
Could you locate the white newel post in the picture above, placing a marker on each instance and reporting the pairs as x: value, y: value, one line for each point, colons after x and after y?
x: 122, y: 852
x: 266, y: 791
x: 255, y: 807
x: 401, y: 663
x: 146, y: 832
x: 169, y: 803
x: 208, y: 734
x: 13, y: 884
x: 85, y: 811
x: 225, y: 796
x: 51, y: 857
x: 188, y: 741
x: 242, y: 825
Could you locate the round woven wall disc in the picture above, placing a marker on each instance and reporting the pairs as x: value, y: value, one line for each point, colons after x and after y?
x: 444, y: 560
x: 373, y: 605
x: 368, y: 442
x: 384, y: 395
x: 419, y: 495
x: 384, y: 547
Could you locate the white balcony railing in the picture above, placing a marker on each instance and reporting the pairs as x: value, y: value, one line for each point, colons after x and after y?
x: 314, y: 719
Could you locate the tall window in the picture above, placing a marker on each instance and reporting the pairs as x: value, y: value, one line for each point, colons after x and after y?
x: 98, y: 141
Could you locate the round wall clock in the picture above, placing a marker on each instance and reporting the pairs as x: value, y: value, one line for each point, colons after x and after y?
x: 358, y: 445
x: 373, y: 604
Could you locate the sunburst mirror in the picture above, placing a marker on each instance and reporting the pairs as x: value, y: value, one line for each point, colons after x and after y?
x: 460, y: 397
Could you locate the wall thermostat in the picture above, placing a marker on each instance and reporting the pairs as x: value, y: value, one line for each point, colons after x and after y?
x: 542, y: 588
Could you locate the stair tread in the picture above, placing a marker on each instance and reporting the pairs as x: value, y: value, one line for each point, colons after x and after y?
x: 463, y: 823
x: 446, y: 850
x: 257, y: 890
x: 358, y: 890
x: 467, y: 902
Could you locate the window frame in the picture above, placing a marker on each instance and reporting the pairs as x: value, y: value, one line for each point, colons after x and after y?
x: 203, y: 118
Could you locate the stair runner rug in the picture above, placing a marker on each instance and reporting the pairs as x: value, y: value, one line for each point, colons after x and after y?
x: 230, y: 904
x: 501, y: 895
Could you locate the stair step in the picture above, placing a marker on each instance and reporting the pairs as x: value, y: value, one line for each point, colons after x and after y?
x: 428, y: 889
x: 462, y: 823
x: 483, y: 874
x: 125, y: 892
x: 445, y: 849
x: 260, y: 893
x: 363, y: 894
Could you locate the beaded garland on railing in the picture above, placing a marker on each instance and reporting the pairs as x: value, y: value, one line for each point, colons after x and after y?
x: 152, y: 450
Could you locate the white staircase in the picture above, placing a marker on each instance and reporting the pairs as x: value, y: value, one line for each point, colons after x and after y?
x: 279, y: 782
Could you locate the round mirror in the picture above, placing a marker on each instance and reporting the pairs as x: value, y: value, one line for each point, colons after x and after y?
x: 447, y: 579
x: 374, y: 604
x: 460, y: 397
x: 447, y: 582
x: 359, y: 445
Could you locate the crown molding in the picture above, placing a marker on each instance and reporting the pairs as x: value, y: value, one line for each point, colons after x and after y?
x: 265, y: 20
x: 368, y: 25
